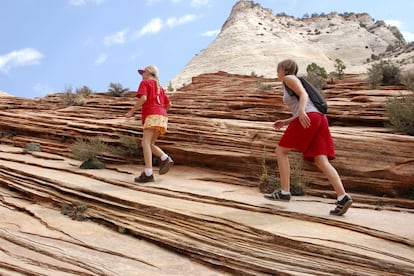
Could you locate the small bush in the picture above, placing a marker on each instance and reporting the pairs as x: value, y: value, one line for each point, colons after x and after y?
x: 75, y: 212
x: 170, y: 87
x: 84, y: 91
x: 339, y: 68
x: 129, y: 146
x: 400, y: 112
x: 263, y: 86
x: 407, y: 79
x: 117, y: 90
x: 270, y: 182
x: 75, y: 99
x: 316, y: 75
x: 31, y: 147
x: 253, y: 74
x: 383, y: 73
x: 88, y: 148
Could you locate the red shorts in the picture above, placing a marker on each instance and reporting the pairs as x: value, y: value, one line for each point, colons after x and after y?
x: 313, y: 141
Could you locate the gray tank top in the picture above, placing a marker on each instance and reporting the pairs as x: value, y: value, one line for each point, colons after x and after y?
x: 293, y: 103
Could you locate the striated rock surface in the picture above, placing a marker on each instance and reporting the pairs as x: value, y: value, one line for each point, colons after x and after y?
x: 254, y: 39
x: 206, y: 216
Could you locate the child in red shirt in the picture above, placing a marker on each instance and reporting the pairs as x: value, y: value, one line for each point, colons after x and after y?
x: 155, y: 104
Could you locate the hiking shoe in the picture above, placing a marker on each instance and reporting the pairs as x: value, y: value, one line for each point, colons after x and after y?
x: 166, y: 165
x: 143, y: 178
x: 277, y: 196
x: 342, y: 206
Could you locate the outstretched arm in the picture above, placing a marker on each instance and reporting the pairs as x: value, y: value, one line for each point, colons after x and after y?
x: 137, y: 106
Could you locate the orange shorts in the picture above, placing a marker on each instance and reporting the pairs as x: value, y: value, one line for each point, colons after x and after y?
x: 158, y: 122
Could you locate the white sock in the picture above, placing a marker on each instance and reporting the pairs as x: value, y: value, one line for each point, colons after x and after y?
x: 148, y: 172
x: 164, y: 157
x: 341, y: 197
x: 284, y: 192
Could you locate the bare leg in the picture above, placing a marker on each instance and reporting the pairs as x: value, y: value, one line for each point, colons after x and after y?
x: 155, y: 149
x: 282, y: 156
x: 330, y: 172
x: 148, y: 133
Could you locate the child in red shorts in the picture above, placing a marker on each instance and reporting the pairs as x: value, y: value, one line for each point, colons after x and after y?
x: 155, y: 104
x: 308, y: 132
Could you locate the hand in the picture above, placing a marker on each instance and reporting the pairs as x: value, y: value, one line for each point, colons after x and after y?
x: 304, y: 119
x: 278, y: 124
x: 129, y: 114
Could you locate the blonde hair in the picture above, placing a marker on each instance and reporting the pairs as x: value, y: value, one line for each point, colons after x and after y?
x: 153, y: 70
x: 289, y: 66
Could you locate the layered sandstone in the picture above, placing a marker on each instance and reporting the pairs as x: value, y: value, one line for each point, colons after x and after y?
x: 254, y: 39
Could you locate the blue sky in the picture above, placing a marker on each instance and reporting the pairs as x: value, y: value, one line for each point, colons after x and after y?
x: 47, y: 45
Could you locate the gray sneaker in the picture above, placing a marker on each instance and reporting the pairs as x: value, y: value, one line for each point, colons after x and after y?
x: 277, y: 196
x: 166, y: 165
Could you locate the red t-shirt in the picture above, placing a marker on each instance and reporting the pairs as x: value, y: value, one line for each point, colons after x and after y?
x: 155, y: 103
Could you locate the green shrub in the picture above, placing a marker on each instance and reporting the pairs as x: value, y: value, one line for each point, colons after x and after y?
x: 84, y: 91
x: 263, y: 86
x: 75, y: 212
x: 383, y: 73
x: 253, y: 74
x: 270, y: 182
x: 88, y: 148
x: 170, y: 87
x: 117, y: 90
x: 339, y: 68
x: 400, y: 112
x: 31, y: 147
x: 129, y: 146
x: 316, y: 75
x: 75, y: 99
x: 407, y: 79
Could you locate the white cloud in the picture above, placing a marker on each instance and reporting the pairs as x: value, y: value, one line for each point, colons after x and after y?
x: 152, y: 27
x: 199, y: 3
x: 173, y: 21
x: 101, y: 59
x: 211, y: 33
x: 392, y: 22
x: 24, y: 57
x: 78, y: 3
x: 157, y: 24
x: 409, y: 37
x: 116, y: 38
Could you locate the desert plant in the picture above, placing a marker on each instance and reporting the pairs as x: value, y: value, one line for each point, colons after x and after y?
x: 263, y: 86
x: 253, y: 74
x: 129, y: 146
x: 407, y: 78
x: 75, y: 212
x: 31, y: 147
x: 400, y: 112
x: 83, y: 91
x: 269, y: 182
x: 316, y: 75
x: 339, y: 68
x: 78, y: 99
x: 117, y: 90
x: 170, y: 87
x: 383, y: 73
x: 88, y: 148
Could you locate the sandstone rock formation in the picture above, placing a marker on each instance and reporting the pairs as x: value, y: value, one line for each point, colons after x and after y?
x: 4, y: 94
x: 253, y: 39
x: 209, y: 211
